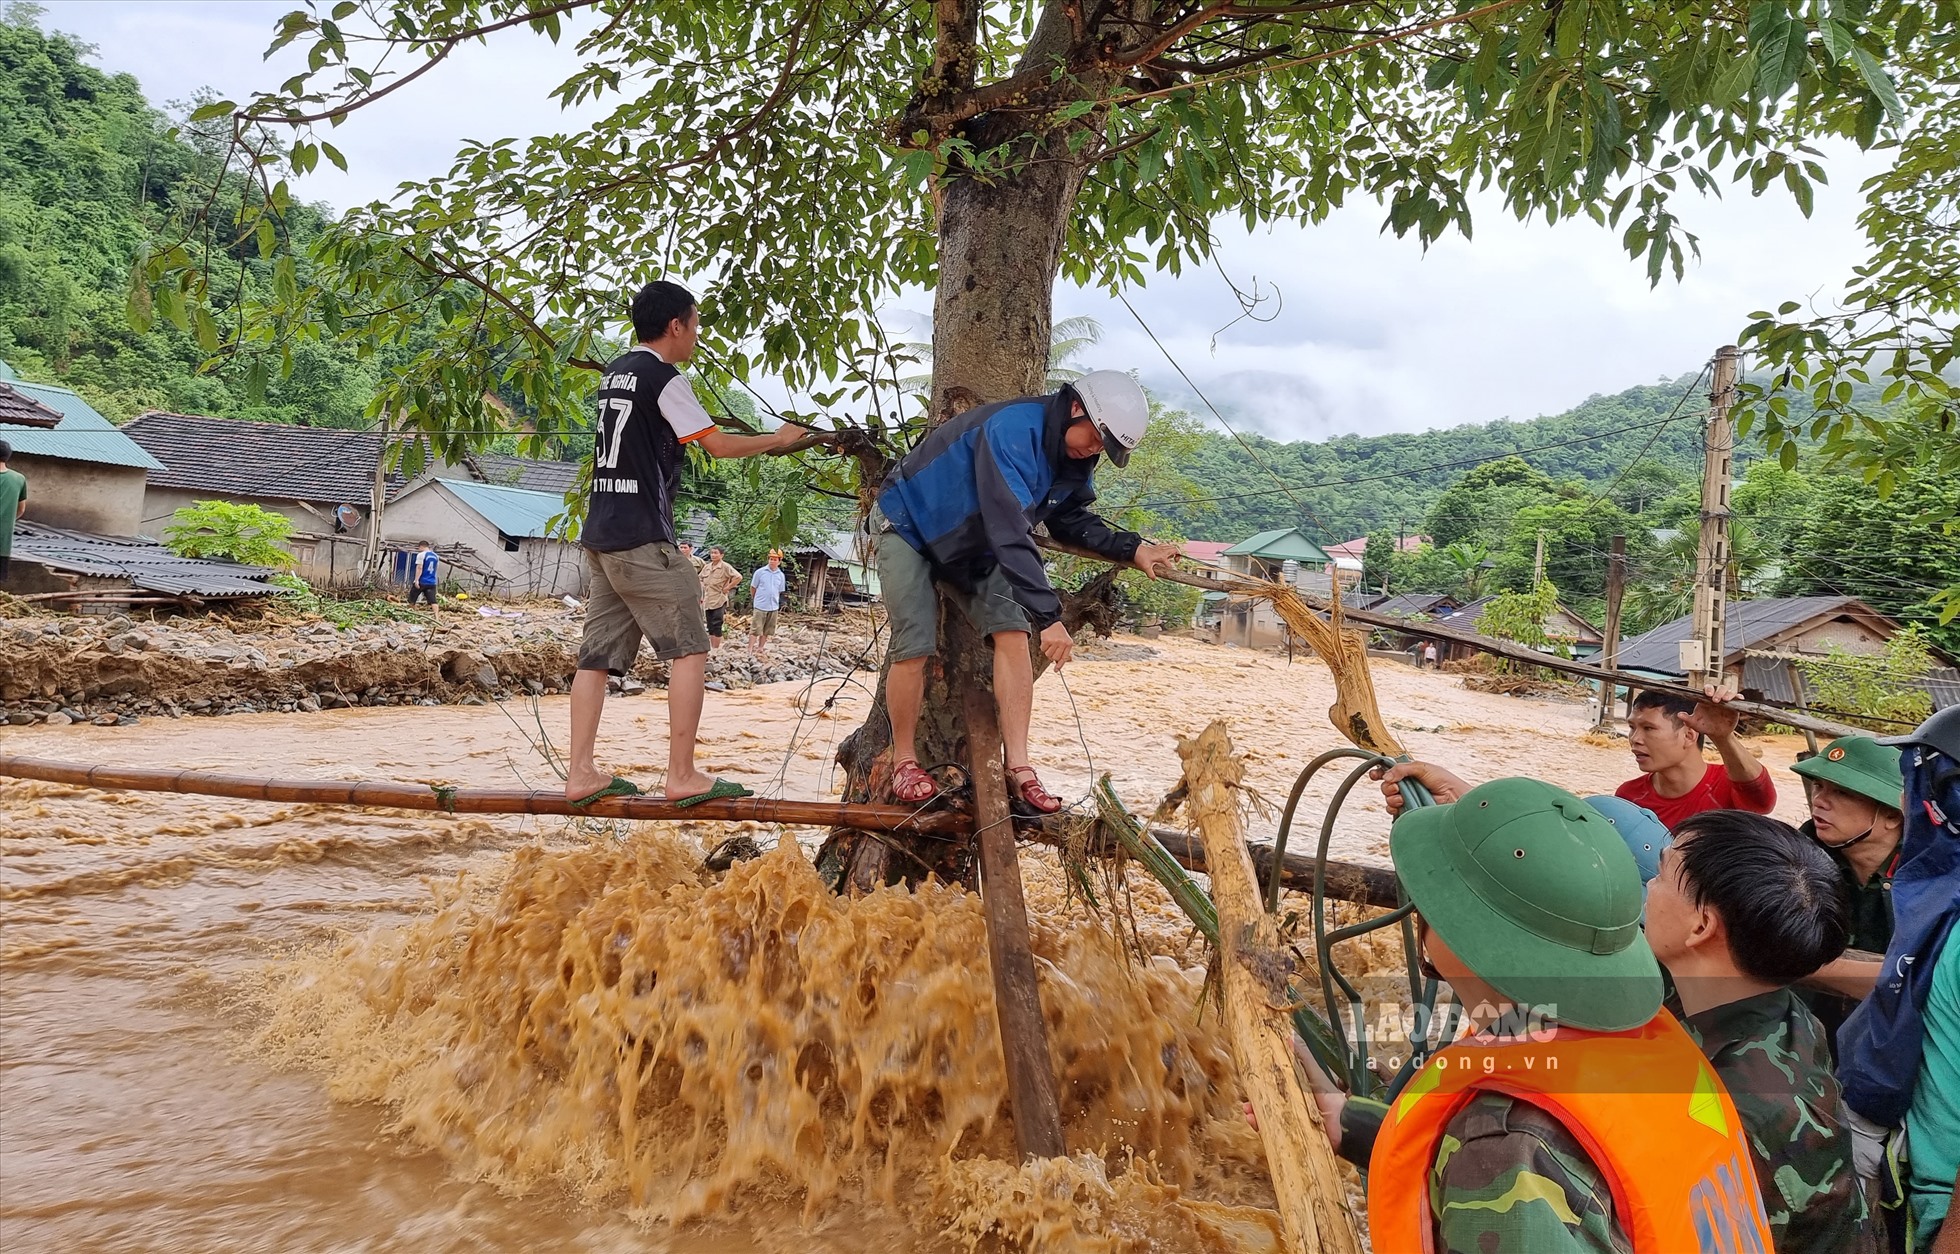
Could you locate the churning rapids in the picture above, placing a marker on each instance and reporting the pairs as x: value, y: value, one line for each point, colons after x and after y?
x: 231, y: 1025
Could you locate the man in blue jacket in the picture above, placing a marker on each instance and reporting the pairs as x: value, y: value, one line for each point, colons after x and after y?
x: 962, y: 508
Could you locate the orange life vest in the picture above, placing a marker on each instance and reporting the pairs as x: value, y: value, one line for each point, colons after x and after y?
x: 1645, y: 1106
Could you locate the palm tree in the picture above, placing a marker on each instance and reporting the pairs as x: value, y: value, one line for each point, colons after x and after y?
x: 1471, y: 561
x: 1666, y: 589
x: 1067, y: 341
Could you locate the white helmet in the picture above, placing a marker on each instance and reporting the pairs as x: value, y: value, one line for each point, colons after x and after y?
x: 1118, y: 407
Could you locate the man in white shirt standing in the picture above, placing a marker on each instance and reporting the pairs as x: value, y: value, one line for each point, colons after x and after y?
x: 640, y: 584
x: 766, y: 587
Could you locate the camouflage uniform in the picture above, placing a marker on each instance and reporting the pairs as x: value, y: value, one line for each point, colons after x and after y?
x: 1509, y: 1179
x: 1771, y: 1055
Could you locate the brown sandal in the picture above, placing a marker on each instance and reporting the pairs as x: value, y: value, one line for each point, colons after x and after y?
x: 911, y: 783
x: 1024, y: 787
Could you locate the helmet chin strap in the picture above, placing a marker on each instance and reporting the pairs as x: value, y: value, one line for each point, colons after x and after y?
x: 1846, y: 844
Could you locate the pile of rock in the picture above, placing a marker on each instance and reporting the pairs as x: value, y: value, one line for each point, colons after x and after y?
x: 66, y: 669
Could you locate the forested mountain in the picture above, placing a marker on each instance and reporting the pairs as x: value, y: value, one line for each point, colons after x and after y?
x: 1357, y: 484
x: 89, y: 169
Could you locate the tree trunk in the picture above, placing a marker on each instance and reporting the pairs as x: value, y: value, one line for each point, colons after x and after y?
x: 1000, y: 249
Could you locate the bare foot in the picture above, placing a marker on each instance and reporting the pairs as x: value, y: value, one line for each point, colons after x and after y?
x: 581, y: 784
x: 687, y: 786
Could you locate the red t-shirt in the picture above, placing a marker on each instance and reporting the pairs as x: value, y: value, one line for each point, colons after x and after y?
x: 1716, y: 791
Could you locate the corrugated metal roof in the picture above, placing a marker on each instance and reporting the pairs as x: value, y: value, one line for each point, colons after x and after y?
x: 1415, y: 605
x: 514, y: 511
x: 1283, y: 545
x: 82, y: 436
x: 1750, y: 625
x: 1469, y: 618
x: 144, y: 562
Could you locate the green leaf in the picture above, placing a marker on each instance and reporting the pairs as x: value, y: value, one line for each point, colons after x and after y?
x: 139, y: 306
x: 216, y: 109
x: 255, y: 372
x: 1787, y: 456
x: 170, y: 303
x: 1777, y: 35
x: 333, y: 155
x: 208, y: 338
x: 1881, y: 84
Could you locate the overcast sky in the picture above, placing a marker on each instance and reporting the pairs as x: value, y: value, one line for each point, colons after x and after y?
x: 1371, y: 334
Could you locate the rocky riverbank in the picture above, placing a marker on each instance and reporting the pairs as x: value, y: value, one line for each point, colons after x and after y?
x: 67, y: 668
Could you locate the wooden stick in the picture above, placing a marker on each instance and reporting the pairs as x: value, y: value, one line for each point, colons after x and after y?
x: 1365, y: 883
x: 1232, y: 582
x: 1254, y: 969
x: 404, y: 796
x: 1017, y: 999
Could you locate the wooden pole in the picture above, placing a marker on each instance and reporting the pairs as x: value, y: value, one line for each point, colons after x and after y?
x: 1254, y: 967
x: 407, y: 796
x: 1609, y: 654
x: 1364, y: 883
x: 1017, y: 998
x: 377, y: 502
x: 1704, y: 656
x: 1538, y: 562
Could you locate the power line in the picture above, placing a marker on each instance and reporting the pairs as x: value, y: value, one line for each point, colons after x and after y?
x: 1242, y: 442
x: 1414, y: 470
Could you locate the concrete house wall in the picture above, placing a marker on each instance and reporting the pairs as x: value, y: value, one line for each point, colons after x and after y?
x: 82, y: 496
x: 538, y: 566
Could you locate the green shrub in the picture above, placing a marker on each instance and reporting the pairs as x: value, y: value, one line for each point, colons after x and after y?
x: 238, y: 533
x: 1872, y: 690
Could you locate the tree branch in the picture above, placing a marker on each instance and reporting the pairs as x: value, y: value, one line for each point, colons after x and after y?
x: 444, y: 45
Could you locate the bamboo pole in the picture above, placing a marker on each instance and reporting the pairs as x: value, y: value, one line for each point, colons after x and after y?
x: 1031, y: 1091
x: 406, y: 796
x: 1254, y: 969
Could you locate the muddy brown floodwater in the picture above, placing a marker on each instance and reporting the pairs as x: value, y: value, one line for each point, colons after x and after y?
x: 230, y: 1025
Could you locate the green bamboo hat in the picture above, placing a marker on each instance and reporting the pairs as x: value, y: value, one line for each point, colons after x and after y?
x: 1536, y: 892
x: 1859, y: 764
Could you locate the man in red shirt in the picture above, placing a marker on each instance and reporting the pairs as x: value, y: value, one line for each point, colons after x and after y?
x: 1666, y: 736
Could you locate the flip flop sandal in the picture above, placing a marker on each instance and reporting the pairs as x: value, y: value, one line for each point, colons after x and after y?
x: 722, y: 790
x: 617, y: 786
x: 912, y: 784
x: 1025, y: 792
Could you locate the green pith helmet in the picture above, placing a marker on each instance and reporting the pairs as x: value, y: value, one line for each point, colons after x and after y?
x: 1537, y: 893
x: 1862, y: 765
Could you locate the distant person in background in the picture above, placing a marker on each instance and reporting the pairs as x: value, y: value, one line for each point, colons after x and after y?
x: 718, y: 582
x: 1429, y: 655
x: 1665, y: 734
x: 423, y: 584
x: 687, y: 551
x: 767, y: 585
x: 13, y: 503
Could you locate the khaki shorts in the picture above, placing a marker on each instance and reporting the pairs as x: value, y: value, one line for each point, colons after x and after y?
x: 648, y: 591
x: 905, y: 584
x: 763, y: 625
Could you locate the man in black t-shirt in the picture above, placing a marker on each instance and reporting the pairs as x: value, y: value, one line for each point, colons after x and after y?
x: 639, y: 582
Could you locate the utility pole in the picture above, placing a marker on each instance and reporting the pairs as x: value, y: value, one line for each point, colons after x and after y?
x: 1609, y: 657
x: 1702, y: 655
x: 1538, y: 563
